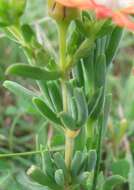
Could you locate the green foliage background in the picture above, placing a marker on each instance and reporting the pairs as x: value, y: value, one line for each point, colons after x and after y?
x: 18, y: 129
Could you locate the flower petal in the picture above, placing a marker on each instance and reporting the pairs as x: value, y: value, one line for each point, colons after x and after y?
x: 119, y: 16
x: 128, y: 10
x: 82, y: 4
x: 123, y: 20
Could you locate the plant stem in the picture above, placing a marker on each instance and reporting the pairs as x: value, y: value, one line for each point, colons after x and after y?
x: 99, y: 146
x: 69, y: 145
x: 11, y: 132
x: 62, y: 45
x: 19, y: 154
x: 69, y: 141
x: 29, y: 153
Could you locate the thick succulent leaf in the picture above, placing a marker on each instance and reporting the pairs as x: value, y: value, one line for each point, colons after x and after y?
x: 80, y: 140
x: 46, y: 111
x: 45, y: 93
x: 76, y: 163
x: 19, y: 90
x: 113, y: 44
x: 113, y: 181
x: 94, y: 103
x: 59, y: 177
x: 107, y: 106
x: 73, y: 108
x: 83, y: 50
x: 55, y: 95
x: 100, y: 71
x: 82, y: 178
x: 121, y: 167
x: 60, y: 163
x: 74, y: 38
x: 81, y: 106
x: 28, y: 33
x: 78, y: 74
x: 32, y: 72
x: 68, y: 121
x: 37, y: 175
x: 106, y: 28
x: 92, y: 158
x: 48, y: 164
x: 23, y: 94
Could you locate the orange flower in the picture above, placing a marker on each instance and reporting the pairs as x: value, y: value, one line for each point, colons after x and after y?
x: 76, y: 3
x: 118, y: 10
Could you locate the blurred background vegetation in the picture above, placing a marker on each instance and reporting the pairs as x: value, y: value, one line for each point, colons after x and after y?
x: 21, y: 127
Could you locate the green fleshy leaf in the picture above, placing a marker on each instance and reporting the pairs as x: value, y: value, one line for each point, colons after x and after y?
x: 27, y: 32
x: 76, y: 163
x: 80, y: 140
x: 100, y: 71
x: 121, y: 167
x: 19, y: 90
x: 92, y: 158
x: 94, y: 107
x: 68, y: 121
x: 46, y: 111
x: 48, y: 163
x: 113, y: 181
x: 81, y: 106
x: 32, y: 72
x: 113, y: 44
x: 60, y: 163
x: 59, y: 177
x: 38, y: 176
x: 82, y: 178
x: 83, y: 50
x: 55, y: 95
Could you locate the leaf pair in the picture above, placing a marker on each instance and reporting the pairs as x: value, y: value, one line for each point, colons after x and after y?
x: 77, y: 115
x: 82, y: 165
x: 51, y: 104
x: 52, y: 108
x: 54, y: 173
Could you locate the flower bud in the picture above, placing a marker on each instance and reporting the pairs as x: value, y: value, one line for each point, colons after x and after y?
x: 11, y: 11
x: 61, y: 13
